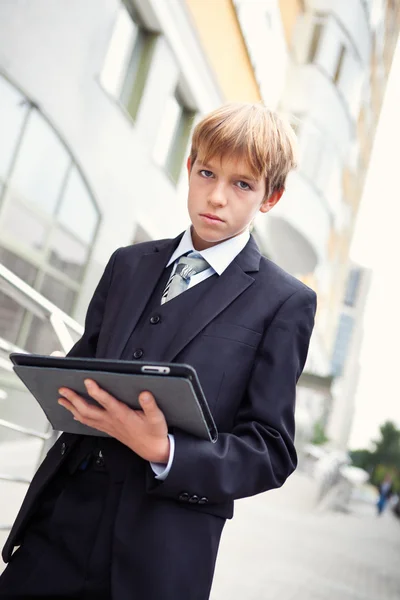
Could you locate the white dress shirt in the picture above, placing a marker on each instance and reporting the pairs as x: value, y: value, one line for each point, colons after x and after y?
x: 219, y: 257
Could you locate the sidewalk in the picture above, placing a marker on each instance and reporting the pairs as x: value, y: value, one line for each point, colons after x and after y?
x: 279, y: 547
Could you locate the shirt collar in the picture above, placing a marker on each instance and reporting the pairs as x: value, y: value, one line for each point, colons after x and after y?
x: 219, y: 257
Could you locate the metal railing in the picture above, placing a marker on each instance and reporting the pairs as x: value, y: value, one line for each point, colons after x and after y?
x: 63, y: 326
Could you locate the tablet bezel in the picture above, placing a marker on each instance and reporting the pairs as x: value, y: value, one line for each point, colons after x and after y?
x: 126, y: 367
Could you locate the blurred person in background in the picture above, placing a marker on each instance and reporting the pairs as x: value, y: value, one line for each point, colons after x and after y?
x: 385, y: 493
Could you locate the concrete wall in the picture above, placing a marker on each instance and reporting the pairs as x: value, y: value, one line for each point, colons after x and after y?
x: 221, y: 37
x: 54, y: 51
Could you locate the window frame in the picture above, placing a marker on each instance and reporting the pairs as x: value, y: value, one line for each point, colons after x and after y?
x: 138, y: 67
x: 40, y: 260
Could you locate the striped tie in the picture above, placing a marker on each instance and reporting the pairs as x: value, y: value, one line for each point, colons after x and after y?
x: 187, y: 266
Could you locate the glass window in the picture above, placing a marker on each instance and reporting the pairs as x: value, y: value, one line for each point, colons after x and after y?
x: 173, y: 137
x: 339, y: 64
x: 315, y: 41
x: 58, y: 293
x: 41, y: 166
x: 25, y: 226
x: 13, y: 109
x: 119, y: 53
x: 178, y: 150
x: 167, y: 130
x: 67, y: 254
x: 11, y: 316
x: 342, y: 343
x: 77, y: 211
x: 23, y: 269
x: 128, y: 60
x: 42, y: 338
x: 138, y: 71
x: 11, y: 312
x: 352, y: 287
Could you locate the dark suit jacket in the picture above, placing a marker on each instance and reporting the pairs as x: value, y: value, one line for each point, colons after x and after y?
x: 248, y: 342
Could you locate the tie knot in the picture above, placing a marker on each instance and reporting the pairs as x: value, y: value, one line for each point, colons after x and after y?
x: 191, y: 264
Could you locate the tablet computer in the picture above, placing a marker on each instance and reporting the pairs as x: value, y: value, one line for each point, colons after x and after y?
x: 175, y: 387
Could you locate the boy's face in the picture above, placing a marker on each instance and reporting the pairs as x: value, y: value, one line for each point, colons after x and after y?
x: 223, y: 200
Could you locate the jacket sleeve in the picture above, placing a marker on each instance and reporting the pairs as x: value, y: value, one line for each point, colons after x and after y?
x: 259, y: 453
x: 87, y: 345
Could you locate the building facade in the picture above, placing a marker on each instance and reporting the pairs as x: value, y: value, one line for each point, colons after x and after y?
x: 97, y: 103
x: 96, y: 109
x: 345, y: 361
x: 330, y: 65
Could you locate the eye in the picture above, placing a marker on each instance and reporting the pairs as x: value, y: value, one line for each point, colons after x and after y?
x: 205, y: 173
x: 242, y: 185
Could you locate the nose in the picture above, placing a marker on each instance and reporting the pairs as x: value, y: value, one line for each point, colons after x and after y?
x: 217, y: 196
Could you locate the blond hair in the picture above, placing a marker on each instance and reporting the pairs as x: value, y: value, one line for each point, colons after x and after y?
x: 251, y: 132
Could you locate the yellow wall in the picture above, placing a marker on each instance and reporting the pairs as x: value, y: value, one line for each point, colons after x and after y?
x: 290, y: 10
x: 219, y: 32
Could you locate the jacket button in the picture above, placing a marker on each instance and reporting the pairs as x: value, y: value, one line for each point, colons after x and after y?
x: 193, y: 499
x: 100, y: 459
x: 203, y: 500
x: 184, y: 497
x: 138, y: 353
x: 155, y: 319
x: 63, y: 448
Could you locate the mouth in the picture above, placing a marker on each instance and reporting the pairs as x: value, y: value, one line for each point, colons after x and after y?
x: 210, y: 217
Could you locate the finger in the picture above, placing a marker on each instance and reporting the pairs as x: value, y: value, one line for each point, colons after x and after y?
x: 105, y: 399
x: 95, y: 424
x: 70, y: 407
x: 149, y: 407
x: 84, y: 409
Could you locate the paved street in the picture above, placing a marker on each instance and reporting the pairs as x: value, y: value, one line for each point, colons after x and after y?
x: 279, y: 547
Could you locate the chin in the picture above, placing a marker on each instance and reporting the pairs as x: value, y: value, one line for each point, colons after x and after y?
x: 206, y: 238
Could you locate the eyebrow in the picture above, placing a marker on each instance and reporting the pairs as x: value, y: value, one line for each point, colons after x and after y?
x: 237, y: 176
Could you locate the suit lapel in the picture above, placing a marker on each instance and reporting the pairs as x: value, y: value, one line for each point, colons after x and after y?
x: 233, y: 282
x: 140, y: 286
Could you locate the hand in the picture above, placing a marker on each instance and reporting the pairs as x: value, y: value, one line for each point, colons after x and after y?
x: 144, y: 431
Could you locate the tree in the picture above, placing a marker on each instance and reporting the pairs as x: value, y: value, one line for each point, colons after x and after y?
x: 384, y: 458
x: 387, y: 449
x: 362, y: 459
x: 319, y: 437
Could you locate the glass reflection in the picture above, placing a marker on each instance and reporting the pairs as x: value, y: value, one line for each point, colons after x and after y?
x: 67, y: 254
x: 42, y: 338
x: 11, y: 316
x: 58, y: 293
x: 23, y: 269
x: 77, y: 211
x: 24, y: 225
x: 13, y: 109
x: 41, y: 165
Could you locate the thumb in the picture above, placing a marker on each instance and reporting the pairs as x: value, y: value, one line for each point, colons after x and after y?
x: 148, y: 404
x: 154, y: 416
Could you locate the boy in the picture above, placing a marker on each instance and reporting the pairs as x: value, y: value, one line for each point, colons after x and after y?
x: 139, y: 515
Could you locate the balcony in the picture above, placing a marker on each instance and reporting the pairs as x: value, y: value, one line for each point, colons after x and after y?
x: 296, y: 232
x: 353, y: 20
x: 310, y: 91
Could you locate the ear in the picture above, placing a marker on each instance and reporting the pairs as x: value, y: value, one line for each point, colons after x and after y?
x: 270, y: 202
x: 189, y: 165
